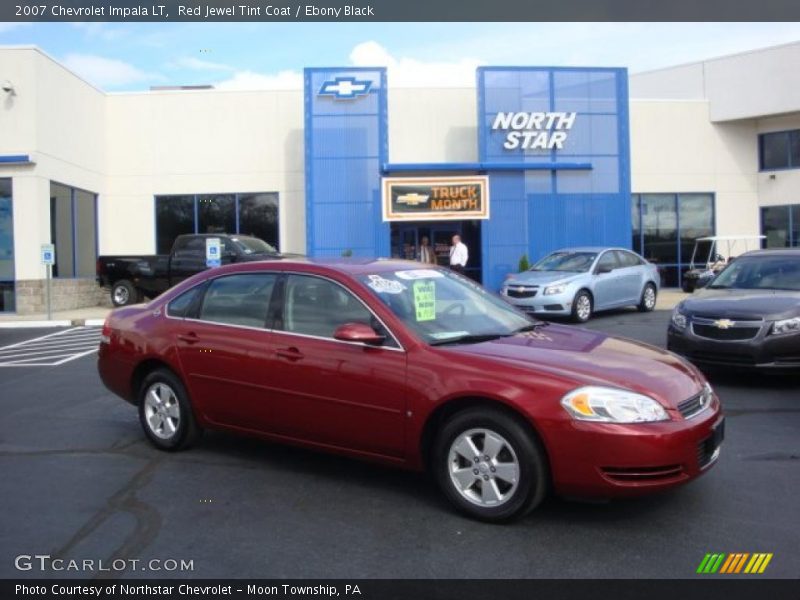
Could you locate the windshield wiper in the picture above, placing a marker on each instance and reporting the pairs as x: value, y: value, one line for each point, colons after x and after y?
x: 470, y: 339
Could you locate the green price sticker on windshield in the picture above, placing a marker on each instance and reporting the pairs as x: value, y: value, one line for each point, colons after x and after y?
x: 425, y: 300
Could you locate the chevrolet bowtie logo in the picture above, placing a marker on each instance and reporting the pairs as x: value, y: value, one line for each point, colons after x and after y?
x: 345, y: 88
x: 412, y: 199
x: 723, y: 323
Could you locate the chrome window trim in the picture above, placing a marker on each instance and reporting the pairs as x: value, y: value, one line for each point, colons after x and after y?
x: 399, y: 348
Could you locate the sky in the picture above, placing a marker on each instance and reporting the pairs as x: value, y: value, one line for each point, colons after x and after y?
x: 135, y: 56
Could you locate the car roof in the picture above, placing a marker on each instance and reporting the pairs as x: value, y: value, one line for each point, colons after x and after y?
x: 591, y: 249
x: 348, y: 265
x: 793, y: 252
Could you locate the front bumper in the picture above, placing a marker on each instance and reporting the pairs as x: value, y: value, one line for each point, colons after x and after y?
x: 769, y: 352
x: 609, y: 460
x: 555, y: 304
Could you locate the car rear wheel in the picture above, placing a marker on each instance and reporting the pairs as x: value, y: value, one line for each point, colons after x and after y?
x: 489, y: 465
x: 165, y: 412
x: 582, y: 307
x: 647, y: 303
x: 124, y: 293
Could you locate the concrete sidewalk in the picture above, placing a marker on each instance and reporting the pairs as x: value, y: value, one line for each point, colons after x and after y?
x: 93, y: 315
x: 668, y: 298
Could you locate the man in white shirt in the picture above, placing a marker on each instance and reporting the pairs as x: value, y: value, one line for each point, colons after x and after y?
x: 458, y: 255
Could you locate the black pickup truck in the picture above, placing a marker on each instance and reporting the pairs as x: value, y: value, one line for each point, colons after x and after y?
x: 134, y: 278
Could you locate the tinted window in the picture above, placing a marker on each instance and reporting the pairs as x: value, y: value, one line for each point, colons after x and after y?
x: 315, y: 306
x: 238, y: 299
x: 607, y: 261
x: 575, y: 262
x: 181, y: 305
x: 773, y: 273
x: 628, y: 259
x: 174, y: 217
x: 216, y: 214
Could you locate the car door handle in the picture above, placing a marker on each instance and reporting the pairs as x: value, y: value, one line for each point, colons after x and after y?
x: 189, y: 338
x: 289, y: 353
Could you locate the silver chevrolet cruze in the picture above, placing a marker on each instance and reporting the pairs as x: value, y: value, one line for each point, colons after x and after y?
x: 577, y: 282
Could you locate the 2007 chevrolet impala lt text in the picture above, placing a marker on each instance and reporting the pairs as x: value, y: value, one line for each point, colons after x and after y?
x: 416, y: 367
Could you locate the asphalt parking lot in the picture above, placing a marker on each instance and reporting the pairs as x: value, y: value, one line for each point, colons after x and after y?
x: 80, y: 481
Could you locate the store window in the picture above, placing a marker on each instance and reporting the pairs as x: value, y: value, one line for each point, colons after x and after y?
x: 6, y: 248
x: 253, y: 214
x: 781, y: 226
x: 779, y: 150
x: 665, y: 227
x: 73, y: 230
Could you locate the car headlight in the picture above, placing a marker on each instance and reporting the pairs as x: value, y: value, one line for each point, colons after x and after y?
x: 786, y: 326
x: 555, y: 289
x: 678, y: 319
x: 610, y: 405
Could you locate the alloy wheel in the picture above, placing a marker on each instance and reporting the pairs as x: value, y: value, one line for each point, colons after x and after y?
x: 484, y: 468
x: 161, y: 410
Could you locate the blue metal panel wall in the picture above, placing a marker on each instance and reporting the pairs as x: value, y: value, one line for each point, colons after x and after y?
x: 536, y: 212
x: 345, y: 145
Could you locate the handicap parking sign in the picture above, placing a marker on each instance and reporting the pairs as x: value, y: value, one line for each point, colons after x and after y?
x: 213, y: 252
x: 48, y: 254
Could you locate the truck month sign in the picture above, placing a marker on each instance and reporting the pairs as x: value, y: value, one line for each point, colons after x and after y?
x: 435, y: 198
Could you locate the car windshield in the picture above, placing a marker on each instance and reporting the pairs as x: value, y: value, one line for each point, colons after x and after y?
x: 446, y: 308
x: 575, y: 262
x: 760, y: 273
x: 251, y: 245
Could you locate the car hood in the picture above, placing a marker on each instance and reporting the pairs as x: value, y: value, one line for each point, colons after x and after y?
x: 743, y: 304
x: 594, y: 358
x: 541, y: 277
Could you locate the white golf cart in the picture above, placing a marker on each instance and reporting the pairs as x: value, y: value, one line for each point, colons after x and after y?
x: 712, y: 254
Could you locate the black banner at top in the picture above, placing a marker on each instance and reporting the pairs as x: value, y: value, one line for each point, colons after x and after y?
x: 398, y: 10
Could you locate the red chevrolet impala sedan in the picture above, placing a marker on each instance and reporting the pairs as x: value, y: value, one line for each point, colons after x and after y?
x: 414, y: 366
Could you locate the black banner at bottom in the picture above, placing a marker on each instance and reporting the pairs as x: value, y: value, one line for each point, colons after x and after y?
x: 733, y: 588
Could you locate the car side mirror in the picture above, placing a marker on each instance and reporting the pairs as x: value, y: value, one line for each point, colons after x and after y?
x: 604, y: 269
x: 358, y: 332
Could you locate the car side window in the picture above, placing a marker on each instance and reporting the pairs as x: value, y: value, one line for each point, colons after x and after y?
x: 628, y: 259
x: 180, y: 306
x: 238, y: 299
x: 316, y: 306
x: 607, y: 261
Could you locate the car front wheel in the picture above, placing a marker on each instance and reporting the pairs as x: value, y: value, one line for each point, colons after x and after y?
x: 489, y: 465
x: 582, y: 307
x: 165, y: 413
x: 648, y: 300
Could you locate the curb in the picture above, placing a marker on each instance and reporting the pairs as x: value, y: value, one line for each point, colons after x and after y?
x: 52, y: 324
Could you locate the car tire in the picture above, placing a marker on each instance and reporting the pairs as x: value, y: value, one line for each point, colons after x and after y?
x: 647, y: 302
x: 165, y: 412
x: 123, y: 293
x: 582, y: 307
x: 513, y: 450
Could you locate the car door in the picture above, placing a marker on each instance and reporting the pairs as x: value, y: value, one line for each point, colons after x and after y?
x: 188, y: 258
x: 606, y: 285
x: 332, y: 392
x: 631, y: 273
x: 222, y: 346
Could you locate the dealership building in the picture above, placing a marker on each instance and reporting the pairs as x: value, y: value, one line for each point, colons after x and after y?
x: 529, y: 160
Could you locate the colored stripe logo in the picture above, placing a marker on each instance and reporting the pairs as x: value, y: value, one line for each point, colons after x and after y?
x: 738, y: 562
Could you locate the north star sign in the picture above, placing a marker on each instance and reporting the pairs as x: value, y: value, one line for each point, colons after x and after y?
x: 534, y: 130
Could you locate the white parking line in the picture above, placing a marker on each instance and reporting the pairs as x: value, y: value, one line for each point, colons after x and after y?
x: 53, y: 349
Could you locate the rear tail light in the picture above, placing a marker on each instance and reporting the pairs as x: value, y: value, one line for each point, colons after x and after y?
x: 105, y: 334
x: 98, y: 267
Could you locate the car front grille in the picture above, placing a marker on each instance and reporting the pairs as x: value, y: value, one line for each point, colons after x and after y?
x: 694, y: 405
x: 708, y: 449
x: 521, y: 292
x: 643, y: 474
x: 726, y: 358
x: 725, y: 330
